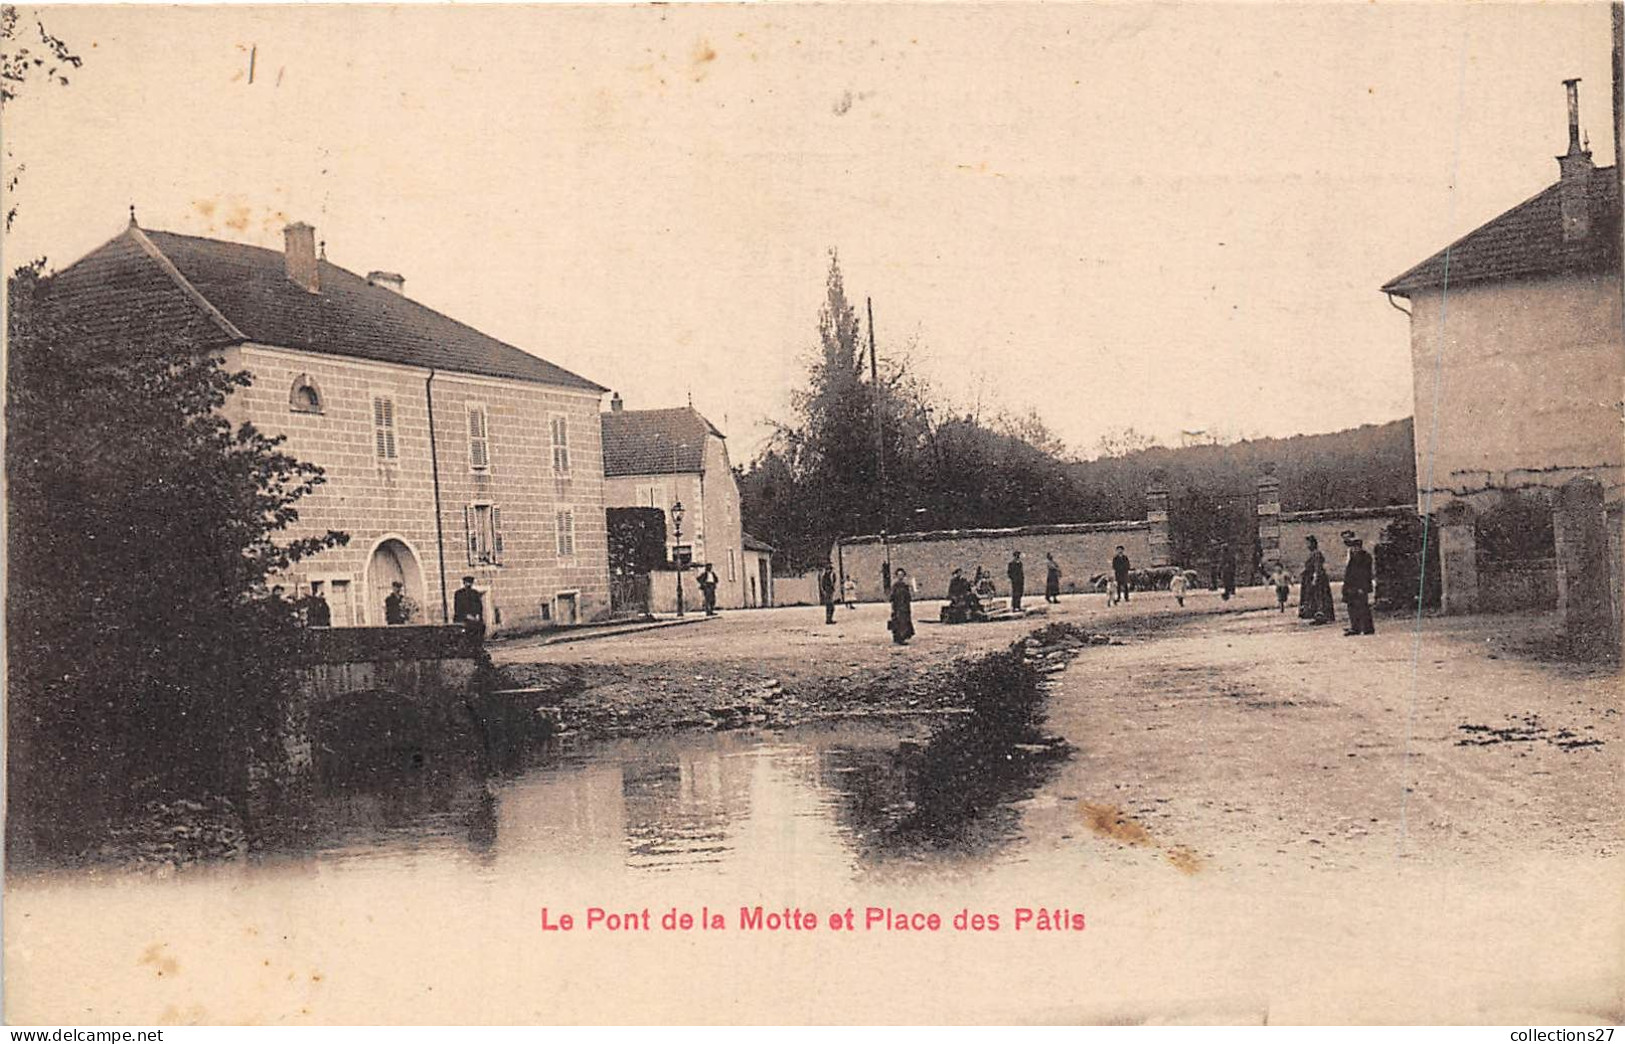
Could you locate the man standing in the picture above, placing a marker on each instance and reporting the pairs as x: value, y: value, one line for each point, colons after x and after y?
x: 1120, y: 568
x: 1018, y: 580
x: 468, y: 608
x: 1227, y: 571
x: 826, y: 592
x: 317, y: 612
x: 1357, y: 581
x: 708, y: 589
x: 1052, y: 578
x: 395, y: 605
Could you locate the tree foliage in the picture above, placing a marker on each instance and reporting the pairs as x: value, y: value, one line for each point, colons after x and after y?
x: 27, y: 54
x: 144, y: 654
x: 637, y: 540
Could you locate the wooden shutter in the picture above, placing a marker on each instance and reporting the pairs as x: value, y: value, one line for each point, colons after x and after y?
x: 479, y: 452
x: 383, y: 425
x: 496, y: 534
x: 468, y: 528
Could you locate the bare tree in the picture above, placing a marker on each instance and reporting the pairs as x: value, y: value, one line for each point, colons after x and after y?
x: 27, y: 55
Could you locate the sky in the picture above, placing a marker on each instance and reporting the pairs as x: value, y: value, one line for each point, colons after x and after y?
x: 1171, y: 217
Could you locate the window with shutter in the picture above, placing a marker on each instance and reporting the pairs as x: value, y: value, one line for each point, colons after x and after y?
x: 496, y: 535
x: 561, y: 444
x: 383, y: 427
x: 479, y: 441
x: 468, y: 528
x: 564, y: 524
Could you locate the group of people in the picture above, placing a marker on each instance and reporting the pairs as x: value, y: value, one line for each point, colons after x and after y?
x: 1316, y: 604
x: 467, y: 606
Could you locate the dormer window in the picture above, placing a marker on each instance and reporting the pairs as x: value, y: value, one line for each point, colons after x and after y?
x: 304, y: 396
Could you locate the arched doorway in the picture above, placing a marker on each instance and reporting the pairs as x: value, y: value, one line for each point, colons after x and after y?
x: 393, y: 561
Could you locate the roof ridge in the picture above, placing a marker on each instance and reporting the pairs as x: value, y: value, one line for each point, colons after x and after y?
x: 148, y: 247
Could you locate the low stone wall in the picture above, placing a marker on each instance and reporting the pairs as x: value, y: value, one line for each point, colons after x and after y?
x: 1082, y: 550
x: 416, y: 662
x: 1511, y: 587
x: 796, y: 590
x: 1328, y: 527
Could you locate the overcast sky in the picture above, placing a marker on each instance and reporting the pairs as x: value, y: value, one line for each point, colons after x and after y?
x: 1169, y: 217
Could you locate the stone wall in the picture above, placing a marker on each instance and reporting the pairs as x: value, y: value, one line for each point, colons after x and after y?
x: 393, y: 500
x: 1328, y: 527
x: 1082, y: 550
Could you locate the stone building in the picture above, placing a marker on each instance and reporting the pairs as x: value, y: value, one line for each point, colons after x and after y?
x: 447, y: 452
x: 660, y: 458
x: 1518, y: 359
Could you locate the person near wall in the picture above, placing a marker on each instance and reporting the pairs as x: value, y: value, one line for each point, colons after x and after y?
x: 1227, y: 571
x: 849, y: 593
x: 395, y: 605
x: 1357, y: 580
x: 468, y: 608
x: 1178, y: 585
x: 1283, y: 586
x: 1120, y: 571
x: 826, y: 592
x: 1315, y: 596
x: 317, y: 612
x: 963, y: 603
x: 708, y: 588
x: 1052, y: 578
x: 1018, y: 580
x: 901, y: 624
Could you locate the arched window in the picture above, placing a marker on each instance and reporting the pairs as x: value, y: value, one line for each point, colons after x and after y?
x: 305, y: 397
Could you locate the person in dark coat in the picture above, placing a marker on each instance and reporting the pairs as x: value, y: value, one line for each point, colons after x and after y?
x: 1120, y: 570
x: 468, y: 608
x: 1315, y: 597
x: 395, y: 605
x: 901, y: 623
x: 1358, y: 575
x: 1018, y: 580
x: 708, y: 588
x: 317, y: 612
x: 1227, y: 571
x: 1052, y: 578
x: 826, y: 592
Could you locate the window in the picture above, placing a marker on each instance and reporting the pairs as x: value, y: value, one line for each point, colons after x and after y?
x: 304, y: 396
x: 732, y: 575
x: 479, y: 439
x: 564, y: 527
x: 483, y: 523
x: 383, y: 427
x: 560, y: 425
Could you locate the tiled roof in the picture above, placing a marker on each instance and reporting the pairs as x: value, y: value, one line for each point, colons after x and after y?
x: 753, y: 544
x: 242, y: 293
x: 1527, y: 241
x: 655, y: 442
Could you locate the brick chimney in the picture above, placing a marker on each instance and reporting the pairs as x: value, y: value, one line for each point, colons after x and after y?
x: 1576, y: 166
x: 615, y: 403
x: 299, y: 255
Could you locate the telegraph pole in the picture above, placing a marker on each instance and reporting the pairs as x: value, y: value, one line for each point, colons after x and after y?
x: 880, y: 451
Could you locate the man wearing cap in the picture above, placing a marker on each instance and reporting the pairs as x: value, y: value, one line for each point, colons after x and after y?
x: 1018, y: 580
x: 1357, y: 580
x: 468, y: 608
x: 395, y: 605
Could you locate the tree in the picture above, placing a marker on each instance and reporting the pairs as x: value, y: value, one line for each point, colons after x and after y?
x: 145, y: 658
x: 637, y: 540
x: 22, y: 60
x: 1125, y: 441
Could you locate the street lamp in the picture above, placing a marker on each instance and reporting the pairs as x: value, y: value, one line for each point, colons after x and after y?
x: 677, y: 549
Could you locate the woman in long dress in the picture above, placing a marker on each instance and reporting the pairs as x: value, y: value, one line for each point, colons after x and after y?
x: 1315, y: 597
x: 901, y: 623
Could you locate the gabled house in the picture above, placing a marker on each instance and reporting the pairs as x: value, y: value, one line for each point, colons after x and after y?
x: 1518, y: 361
x: 447, y: 452
x: 660, y: 458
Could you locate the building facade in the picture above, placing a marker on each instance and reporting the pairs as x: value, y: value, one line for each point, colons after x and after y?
x: 660, y: 458
x: 446, y: 453
x: 1518, y: 361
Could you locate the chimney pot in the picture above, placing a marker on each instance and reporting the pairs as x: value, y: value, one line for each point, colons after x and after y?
x: 1576, y: 168
x: 299, y: 256
x: 615, y: 403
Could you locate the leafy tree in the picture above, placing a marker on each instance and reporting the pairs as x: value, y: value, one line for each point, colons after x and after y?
x: 637, y: 540
x: 27, y: 55
x: 145, y: 658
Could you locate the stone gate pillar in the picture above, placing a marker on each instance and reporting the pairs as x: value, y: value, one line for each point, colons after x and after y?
x: 1458, y: 557
x: 1156, y: 513
x: 1585, y: 592
x: 1269, y: 517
